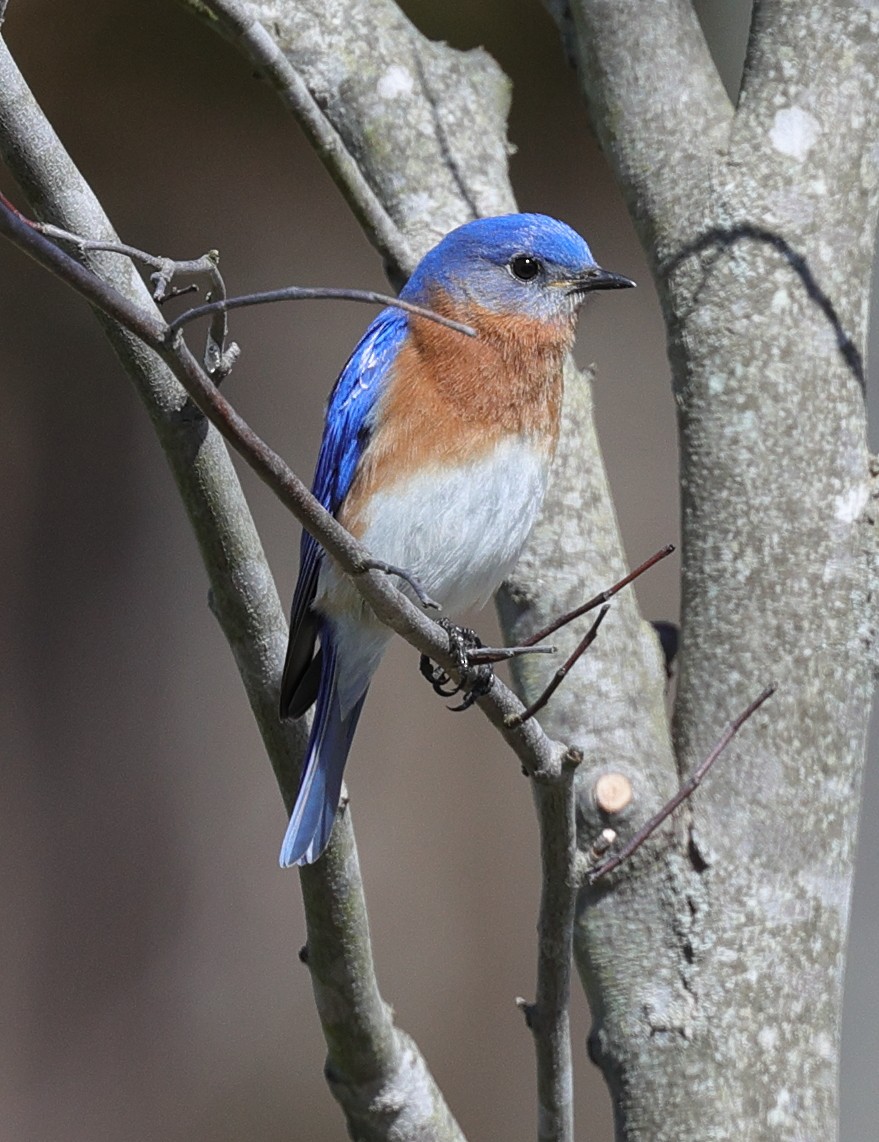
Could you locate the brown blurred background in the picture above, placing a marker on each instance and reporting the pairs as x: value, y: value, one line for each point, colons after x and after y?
x: 150, y: 987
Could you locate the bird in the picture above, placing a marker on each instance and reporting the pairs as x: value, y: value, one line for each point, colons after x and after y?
x: 435, y: 455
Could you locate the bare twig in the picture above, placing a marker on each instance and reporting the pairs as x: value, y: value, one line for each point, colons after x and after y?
x: 601, y: 597
x: 483, y: 654
x: 167, y: 268
x: 318, y: 293
x: 218, y: 357
x: 687, y: 789
x: 218, y: 361
x: 562, y: 672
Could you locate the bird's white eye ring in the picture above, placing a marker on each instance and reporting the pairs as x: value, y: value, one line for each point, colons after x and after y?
x: 525, y: 268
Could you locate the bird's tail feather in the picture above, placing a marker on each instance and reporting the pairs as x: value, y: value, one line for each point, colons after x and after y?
x: 320, y: 785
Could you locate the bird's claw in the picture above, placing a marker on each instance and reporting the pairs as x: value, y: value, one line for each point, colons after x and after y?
x: 392, y: 569
x: 475, y: 680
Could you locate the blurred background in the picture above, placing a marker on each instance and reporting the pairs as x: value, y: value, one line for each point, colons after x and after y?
x: 150, y: 986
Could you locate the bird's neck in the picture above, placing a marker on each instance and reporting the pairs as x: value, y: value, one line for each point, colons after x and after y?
x: 452, y: 400
x: 508, y: 378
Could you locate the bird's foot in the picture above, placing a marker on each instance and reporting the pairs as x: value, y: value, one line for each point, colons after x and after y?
x: 476, y: 680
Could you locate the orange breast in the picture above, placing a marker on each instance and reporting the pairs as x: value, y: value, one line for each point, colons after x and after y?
x: 453, y: 398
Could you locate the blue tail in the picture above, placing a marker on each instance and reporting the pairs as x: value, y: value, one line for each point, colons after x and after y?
x: 320, y: 785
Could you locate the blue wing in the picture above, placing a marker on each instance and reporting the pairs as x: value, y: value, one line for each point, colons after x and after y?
x: 347, y: 430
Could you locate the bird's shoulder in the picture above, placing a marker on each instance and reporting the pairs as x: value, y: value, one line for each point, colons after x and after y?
x: 352, y: 403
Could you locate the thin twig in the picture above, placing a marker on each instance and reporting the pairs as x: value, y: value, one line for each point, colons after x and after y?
x: 207, y: 266
x: 685, y: 791
x: 562, y: 672
x: 302, y: 293
x: 484, y: 654
x: 218, y: 357
x: 601, y: 597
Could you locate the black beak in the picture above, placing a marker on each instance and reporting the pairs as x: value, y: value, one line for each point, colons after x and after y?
x: 598, y: 278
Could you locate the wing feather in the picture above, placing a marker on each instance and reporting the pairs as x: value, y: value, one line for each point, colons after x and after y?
x: 347, y: 430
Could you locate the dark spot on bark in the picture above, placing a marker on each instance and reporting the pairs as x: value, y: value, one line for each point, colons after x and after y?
x: 699, y: 863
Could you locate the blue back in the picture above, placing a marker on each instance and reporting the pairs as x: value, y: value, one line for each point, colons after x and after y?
x: 346, y: 434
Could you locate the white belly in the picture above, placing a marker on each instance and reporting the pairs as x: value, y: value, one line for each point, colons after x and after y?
x: 458, y: 530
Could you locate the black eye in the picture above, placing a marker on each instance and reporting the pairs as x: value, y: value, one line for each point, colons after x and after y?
x: 525, y: 268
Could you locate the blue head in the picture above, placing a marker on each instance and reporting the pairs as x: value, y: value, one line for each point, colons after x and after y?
x: 523, y: 263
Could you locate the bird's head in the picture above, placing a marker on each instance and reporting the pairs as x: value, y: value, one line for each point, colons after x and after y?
x: 527, y: 264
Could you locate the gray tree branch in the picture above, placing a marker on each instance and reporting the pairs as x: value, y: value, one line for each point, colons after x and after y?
x: 413, y: 132
x: 548, y: 1017
x: 761, y: 228
x: 239, y: 23
x: 647, y: 79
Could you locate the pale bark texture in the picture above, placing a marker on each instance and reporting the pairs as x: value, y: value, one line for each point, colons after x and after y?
x: 760, y: 224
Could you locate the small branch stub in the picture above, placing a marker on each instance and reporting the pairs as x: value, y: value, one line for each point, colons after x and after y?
x: 612, y: 792
x: 601, y: 844
x: 588, y: 859
x: 528, y: 1010
x: 572, y: 758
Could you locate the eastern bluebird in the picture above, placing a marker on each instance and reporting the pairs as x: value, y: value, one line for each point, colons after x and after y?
x: 435, y: 454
